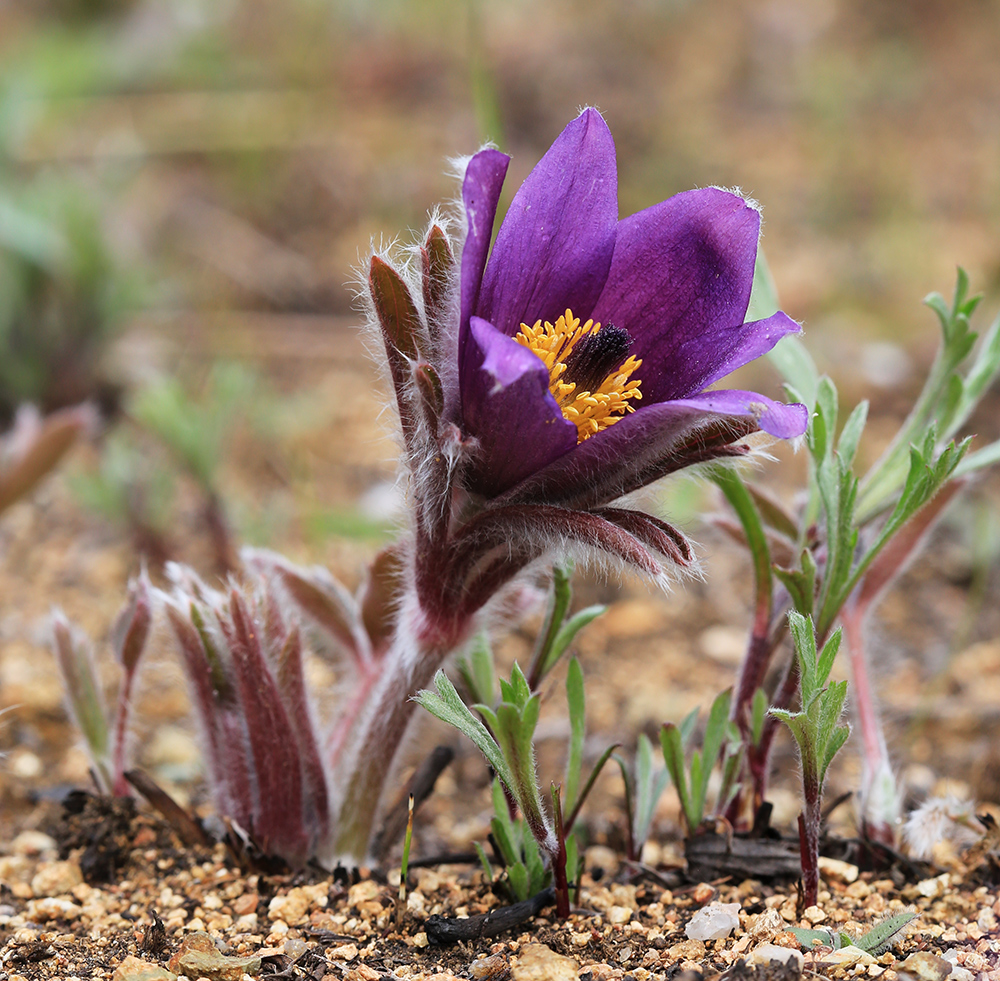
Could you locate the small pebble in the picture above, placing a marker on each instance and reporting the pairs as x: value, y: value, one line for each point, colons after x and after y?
x: 537, y: 962
x: 833, y: 870
x: 844, y: 957
x: 925, y: 966
x: 702, y: 893
x: 766, y: 953
x: 32, y: 844
x: 496, y: 967
x: 814, y: 915
x: 56, y: 878
x: 713, y: 922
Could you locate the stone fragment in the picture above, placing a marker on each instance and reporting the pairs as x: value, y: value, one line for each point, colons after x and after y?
x: 845, y: 957
x: 290, y: 908
x: 32, y: 844
x: 134, y: 969
x: 766, y: 953
x: 926, y: 966
x: 686, y: 950
x: 601, y: 857
x: 198, y: 957
x: 537, y: 962
x: 619, y: 915
x: 702, y: 893
x: 496, y: 967
x: 987, y: 919
x: 813, y: 914
x: 363, y: 892
x: 959, y: 973
x: 52, y: 908
x: 56, y: 878
x: 766, y: 925
x: 713, y: 922
x: 343, y: 952
x: 833, y: 870
x: 362, y: 973
x: 932, y: 888
x: 247, y: 903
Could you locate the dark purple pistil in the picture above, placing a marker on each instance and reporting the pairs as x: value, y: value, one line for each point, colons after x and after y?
x: 595, y: 356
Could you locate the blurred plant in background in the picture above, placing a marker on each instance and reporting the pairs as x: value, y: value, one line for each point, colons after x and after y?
x: 62, y: 294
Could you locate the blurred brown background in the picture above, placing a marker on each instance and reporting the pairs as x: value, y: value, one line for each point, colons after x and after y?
x: 236, y: 158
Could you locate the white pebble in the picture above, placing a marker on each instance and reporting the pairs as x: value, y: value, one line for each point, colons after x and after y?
x: 713, y: 922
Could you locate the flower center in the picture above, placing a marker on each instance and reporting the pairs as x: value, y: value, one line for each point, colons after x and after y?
x: 589, y: 370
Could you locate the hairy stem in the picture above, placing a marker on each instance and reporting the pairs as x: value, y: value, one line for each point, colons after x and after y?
x: 368, y: 754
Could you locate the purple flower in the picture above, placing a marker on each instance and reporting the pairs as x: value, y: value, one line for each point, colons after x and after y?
x: 542, y: 381
x: 625, y: 402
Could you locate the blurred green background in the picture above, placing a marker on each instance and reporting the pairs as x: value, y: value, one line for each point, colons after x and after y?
x: 184, y: 182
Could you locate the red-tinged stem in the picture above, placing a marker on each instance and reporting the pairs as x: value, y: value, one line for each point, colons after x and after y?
x: 369, y: 754
x: 558, y: 858
x: 876, y: 763
x: 218, y: 533
x: 809, y: 825
x: 120, y: 787
x: 872, y: 738
x: 347, y: 718
x: 759, y: 756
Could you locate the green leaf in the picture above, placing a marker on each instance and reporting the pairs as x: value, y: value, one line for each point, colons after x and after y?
x: 650, y: 783
x: 741, y: 501
x: 577, y: 725
x: 566, y: 634
x: 479, y: 671
x: 880, y: 937
x: 799, y: 583
x: 484, y: 862
x: 812, y: 938
x: 673, y: 756
x: 773, y: 514
x: 688, y: 725
x: 445, y: 704
x: 826, y: 658
x: 804, y: 638
x: 573, y: 866
x: 560, y: 597
x: 715, y: 735
x: 589, y: 785
x: 847, y: 446
x: 519, y: 881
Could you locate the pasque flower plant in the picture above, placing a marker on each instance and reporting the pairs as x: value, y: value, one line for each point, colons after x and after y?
x: 540, y: 381
x: 537, y: 383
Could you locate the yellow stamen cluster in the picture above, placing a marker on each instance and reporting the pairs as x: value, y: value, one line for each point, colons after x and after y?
x: 590, y: 412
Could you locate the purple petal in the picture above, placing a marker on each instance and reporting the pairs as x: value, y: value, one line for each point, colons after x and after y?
x: 748, y: 342
x: 776, y: 418
x: 554, y: 247
x: 680, y: 284
x: 480, y: 194
x: 508, y: 407
x: 655, y: 441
